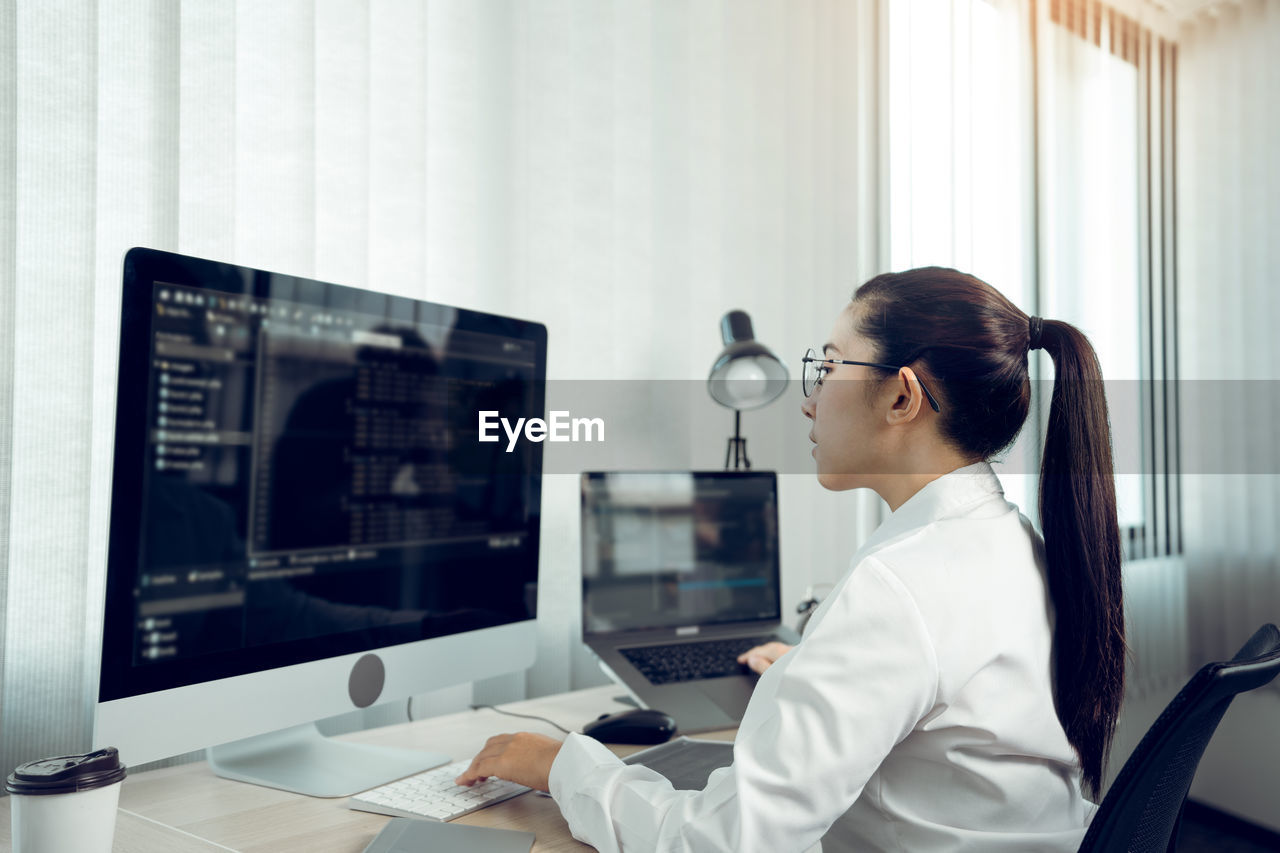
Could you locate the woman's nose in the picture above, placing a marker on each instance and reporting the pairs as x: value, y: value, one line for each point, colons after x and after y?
x: 807, y: 407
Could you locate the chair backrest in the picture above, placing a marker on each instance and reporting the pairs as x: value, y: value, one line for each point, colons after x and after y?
x: 1143, y: 809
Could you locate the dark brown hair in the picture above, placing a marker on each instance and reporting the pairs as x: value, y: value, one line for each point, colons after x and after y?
x: 968, y: 344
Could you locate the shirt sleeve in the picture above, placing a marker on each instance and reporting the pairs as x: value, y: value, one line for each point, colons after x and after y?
x: 820, y: 722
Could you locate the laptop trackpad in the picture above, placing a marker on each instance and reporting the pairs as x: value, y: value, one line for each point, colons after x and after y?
x: 731, y: 694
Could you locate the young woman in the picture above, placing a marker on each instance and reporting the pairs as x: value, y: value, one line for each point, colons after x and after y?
x: 959, y: 687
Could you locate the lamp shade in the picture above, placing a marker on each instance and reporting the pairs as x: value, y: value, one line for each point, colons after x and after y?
x: 746, y: 374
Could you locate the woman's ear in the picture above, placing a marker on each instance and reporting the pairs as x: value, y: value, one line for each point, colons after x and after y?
x: 908, y: 400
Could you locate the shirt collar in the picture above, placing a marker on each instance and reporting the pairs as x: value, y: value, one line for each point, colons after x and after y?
x: 947, y: 496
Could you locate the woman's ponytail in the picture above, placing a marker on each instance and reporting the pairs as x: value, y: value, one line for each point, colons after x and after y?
x: 1082, y: 550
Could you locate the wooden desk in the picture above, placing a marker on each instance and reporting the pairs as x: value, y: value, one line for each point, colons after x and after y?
x: 187, y: 809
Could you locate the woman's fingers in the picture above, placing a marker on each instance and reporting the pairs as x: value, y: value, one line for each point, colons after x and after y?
x: 760, y: 658
x: 483, y: 765
x: 523, y: 758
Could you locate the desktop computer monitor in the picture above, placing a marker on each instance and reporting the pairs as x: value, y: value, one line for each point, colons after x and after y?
x: 303, y: 520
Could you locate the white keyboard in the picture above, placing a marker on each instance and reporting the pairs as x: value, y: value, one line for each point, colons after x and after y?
x: 433, y: 795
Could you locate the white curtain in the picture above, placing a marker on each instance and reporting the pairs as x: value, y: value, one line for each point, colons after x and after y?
x: 1228, y: 211
x: 1090, y: 213
x: 961, y: 159
x: 625, y: 172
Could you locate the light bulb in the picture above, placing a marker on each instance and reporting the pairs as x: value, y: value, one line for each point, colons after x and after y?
x: 746, y: 380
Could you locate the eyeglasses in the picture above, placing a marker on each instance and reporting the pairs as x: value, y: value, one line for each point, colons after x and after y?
x: 815, y: 368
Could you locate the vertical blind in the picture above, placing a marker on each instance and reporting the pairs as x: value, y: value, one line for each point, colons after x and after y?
x: 1228, y: 310
x: 624, y: 172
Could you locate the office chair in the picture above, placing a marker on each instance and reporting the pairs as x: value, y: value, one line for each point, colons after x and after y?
x: 1143, y: 810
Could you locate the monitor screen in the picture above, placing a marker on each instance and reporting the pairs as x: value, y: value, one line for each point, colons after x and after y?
x: 297, y: 474
x: 669, y: 549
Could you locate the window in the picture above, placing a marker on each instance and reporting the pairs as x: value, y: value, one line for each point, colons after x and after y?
x: 1044, y: 172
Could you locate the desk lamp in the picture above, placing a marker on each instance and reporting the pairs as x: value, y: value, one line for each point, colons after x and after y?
x: 746, y: 375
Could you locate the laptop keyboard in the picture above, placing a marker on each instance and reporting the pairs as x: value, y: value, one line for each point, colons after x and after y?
x: 691, y: 661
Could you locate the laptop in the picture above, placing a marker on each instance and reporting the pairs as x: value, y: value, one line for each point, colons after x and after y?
x: 679, y: 577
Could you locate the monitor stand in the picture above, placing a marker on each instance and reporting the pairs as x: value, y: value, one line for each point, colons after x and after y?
x: 302, y: 760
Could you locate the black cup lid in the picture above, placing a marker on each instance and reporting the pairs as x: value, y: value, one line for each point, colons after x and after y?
x: 67, y: 774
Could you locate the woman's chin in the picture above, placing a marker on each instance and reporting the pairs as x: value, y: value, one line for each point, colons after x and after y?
x: 835, y: 482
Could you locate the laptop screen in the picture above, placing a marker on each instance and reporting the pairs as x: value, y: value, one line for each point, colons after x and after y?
x: 675, y: 549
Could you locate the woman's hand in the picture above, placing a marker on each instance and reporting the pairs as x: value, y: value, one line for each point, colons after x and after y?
x: 523, y: 758
x: 761, y: 658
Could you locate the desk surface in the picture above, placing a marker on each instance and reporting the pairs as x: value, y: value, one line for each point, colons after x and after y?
x: 187, y: 809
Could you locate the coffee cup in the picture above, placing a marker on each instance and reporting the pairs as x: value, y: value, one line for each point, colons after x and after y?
x: 66, y: 803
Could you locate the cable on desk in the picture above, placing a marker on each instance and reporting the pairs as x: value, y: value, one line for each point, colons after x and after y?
x: 526, y: 716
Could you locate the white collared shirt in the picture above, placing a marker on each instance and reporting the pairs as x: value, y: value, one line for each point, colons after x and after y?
x: 916, y: 715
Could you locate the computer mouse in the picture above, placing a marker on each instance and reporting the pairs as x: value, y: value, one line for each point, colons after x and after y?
x: 639, y: 725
